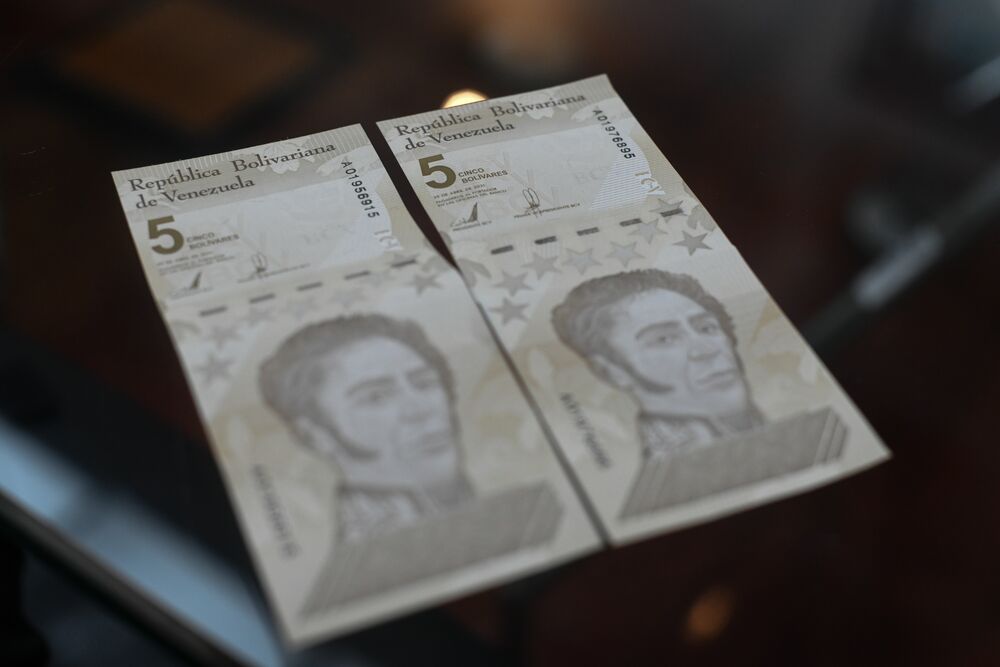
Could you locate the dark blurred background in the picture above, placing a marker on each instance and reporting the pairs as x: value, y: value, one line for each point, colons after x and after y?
x: 821, y: 135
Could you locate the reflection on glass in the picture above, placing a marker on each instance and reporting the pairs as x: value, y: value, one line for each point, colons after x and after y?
x: 463, y: 96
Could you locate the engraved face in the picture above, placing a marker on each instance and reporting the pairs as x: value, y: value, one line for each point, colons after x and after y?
x: 388, y: 409
x: 680, y: 361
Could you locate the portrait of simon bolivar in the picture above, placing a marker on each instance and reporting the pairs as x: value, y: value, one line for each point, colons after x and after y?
x: 664, y: 340
x: 371, y: 395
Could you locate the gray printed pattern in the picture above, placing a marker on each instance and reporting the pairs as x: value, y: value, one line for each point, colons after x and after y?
x: 512, y: 521
x: 521, y: 269
x: 789, y: 446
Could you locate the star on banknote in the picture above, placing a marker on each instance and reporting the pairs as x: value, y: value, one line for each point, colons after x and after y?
x: 581, y: 261
x: 541, y: 265
x: 435, y: 264
x: 646, y: 230
x: 423, y: 283
x: 214, y: 368
x: 222, y: 334
x: 700, y: 217
x: 693, y: 243
x: 509, y: 311
x: 624, y: 253
x: 513, y: 283
x: 471, y: 270
x: 666, y: 209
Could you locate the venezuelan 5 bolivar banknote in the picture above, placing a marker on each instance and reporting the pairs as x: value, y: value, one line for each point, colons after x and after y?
x: 674, y: 385
x: 378, y: 451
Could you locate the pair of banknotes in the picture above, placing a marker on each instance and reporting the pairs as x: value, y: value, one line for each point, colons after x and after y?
x: 603, y: 365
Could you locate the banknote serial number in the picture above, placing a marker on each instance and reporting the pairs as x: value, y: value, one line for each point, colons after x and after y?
x: 360, y: 189
x: 275, y: 512
x: 586, y: 429
x: 615, y: 134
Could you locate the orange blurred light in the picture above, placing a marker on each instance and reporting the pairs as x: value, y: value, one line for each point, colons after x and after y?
x: 464, y: 96
x: 709, y: 615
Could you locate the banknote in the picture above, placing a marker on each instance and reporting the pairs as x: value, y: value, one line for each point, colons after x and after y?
x: 379, y: 453
x: 671, y: 381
